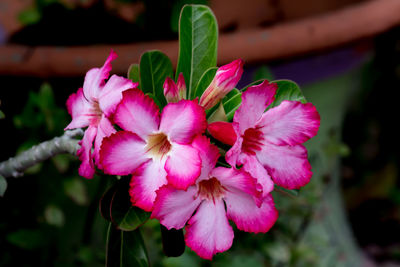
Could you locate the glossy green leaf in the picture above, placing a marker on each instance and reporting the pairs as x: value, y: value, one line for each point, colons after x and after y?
x: 125, y: 249
x: 205, y: 81
x: 154, y: 68
x: 116, y: 201
x: 231, y: 103
x: 134, y: 73
x: 3, y: 185
x: 198, y: 43
x: 287, y: 90
x: 176, y: 9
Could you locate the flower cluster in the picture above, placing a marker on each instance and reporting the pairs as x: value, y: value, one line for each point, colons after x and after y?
x: 174, y: 166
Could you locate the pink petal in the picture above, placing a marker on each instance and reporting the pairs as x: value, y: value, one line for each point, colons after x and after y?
x: 256, y: 170
x: 290, y: 123
x: 146, y: 180
x: 244, y: 212
x: 94, y: 79
x: 80, y: 110
x: 182, y: 121
x: 85, y: 153
x: 233, y: 179
x: 287, y: 165
x: 104, y: 129
x: 111, y: 94
x: 254, y: 102
x: 208, y: 231
x: 233, y: 155
x: 181, y: 86
x: 137, y: 113
x: 183, y: 166
x: 208, y: 153
x: 122, y: 152
x: 223, y: 131
x: 173, y: 208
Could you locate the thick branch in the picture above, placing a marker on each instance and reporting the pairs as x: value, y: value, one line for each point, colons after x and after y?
x: 14, y: 167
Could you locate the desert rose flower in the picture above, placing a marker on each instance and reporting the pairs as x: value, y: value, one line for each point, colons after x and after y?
x: 225, y: 80
x: 269, y: 144
x: 202, y: 206
x: 154, y: 148
x: 175, y: 92
x: 91, y: 107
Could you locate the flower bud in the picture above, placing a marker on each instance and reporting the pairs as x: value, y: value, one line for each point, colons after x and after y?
x: 181, y: 86
x: 224, y: 81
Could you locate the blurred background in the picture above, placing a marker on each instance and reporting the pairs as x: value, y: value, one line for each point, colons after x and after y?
x: 345, y: 55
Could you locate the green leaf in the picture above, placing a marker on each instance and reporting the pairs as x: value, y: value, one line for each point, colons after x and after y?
x: 198, y: 43
x: 116, y: 207
x: 76, y: 190
x: 231, y: 103
x: 154, y: 68
x: 26, y: 239
x: 133, y: 73
x: 3, y: 185
x: 205, y: 81
x: 287, y: 90
x: 29, y: 16
x: 125, y: 249
x: 54, y: 216
x: 263, y: 73
x: 176, y: 9
x: 2, y: 115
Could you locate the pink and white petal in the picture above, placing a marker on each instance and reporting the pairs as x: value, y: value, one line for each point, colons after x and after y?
x: 182, y: 121
x: 183, y: 166
x: 173, y: 208
x: 94, y: 79
x: 80, y: 110
x: 208, y: 231
x: 244, y: 212
x: 232, y: 156
x: 86, y: 169
x: 122, y: 153
x: 223, y: 131
x: 254, y: 102
x: 104, y: 129
x: 137, y: 113
x: 290, y: 123
x: 287, y: 165
x: 233, y: 179
x: 208, y: 153
x: 111, y: 94
x: 146, y: 180
x: 256, y: 170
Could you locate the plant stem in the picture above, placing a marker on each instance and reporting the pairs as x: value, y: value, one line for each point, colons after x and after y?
x: 14, y: 167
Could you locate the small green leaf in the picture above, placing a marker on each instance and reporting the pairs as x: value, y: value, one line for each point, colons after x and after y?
x: 133, y: 73
x: 54, y: 216
x: 3, y: 185
x: 231, y: 103
x: 2, y: 115
x: 125, y: 249
x: 198, y: 43
x: 76, y: 190
x: 263, y: 73
x: 123, y: 215
x: 154, y: 68
x: 205, y: 81
x: 29, y: 16
x: 26, y: 239
x: 287, y: 90
x: 290, y: 192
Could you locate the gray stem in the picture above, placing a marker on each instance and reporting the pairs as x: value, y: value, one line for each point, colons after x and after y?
x: 14, y: 167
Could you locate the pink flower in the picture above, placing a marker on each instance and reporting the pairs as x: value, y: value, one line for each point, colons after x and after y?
x: 175, y: 92
x: 202, y: 205
x: 224, y: 81
x: 269, y: 144
x: 92, y: 106
x: 155, y: 149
